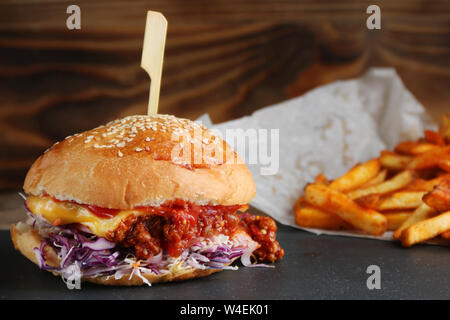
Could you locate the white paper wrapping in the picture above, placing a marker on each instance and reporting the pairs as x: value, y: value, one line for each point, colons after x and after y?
x: 329, y: 130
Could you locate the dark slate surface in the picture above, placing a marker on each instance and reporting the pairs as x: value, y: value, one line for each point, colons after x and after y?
x: 315, y: 267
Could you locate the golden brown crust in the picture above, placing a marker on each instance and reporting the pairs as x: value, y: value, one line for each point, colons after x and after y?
x: 136, y: 281
x: 116, y: 166
x: 26, y: 239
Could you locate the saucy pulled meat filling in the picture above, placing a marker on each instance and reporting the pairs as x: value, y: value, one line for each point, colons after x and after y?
x: 264, y: 231
x: 174, y: 225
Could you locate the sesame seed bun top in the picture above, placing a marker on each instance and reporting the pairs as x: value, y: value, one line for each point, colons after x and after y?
x: 142, y: 160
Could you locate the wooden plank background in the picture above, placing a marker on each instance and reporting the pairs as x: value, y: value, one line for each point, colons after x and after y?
x: 224, y: 57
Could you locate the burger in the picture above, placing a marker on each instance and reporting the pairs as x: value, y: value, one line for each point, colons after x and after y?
x: 141, y: 200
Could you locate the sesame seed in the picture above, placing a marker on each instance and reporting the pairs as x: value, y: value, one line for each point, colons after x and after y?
x: 121, y: 132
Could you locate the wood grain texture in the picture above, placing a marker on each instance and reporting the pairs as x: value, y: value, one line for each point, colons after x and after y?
x: 227, y: 58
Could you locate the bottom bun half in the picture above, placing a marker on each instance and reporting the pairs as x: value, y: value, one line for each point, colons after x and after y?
x: 25, y: 239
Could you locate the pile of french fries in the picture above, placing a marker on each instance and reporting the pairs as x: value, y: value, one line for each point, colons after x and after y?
x: 406, y: 191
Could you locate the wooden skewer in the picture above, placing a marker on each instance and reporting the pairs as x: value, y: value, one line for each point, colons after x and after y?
x: 153, y: 55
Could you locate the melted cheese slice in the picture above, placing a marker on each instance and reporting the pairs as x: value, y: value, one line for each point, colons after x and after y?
x: 56, y: 212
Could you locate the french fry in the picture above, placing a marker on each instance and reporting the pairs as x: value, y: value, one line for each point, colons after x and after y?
x: 310, y: 217
x: 331, y: 200
x: 426, y: 185
x: 393, y: 161
x: 379, y: 178
x: 434, y: 137
x: 446, y: 235
x: 396, y: 218
x: 426, y: 229
x: 421, y: 213
x: 357, y: 176
x: 439, y: 197
x: 404, y: 147
x: 423, y: 147
x: 430, y: 159
x: 400, y: 200
x: 321, y: 179
x: 414, y: 148
x: 370, y: 201
x: 418, y: 185
x: 444, y: 128
x: 396, y: 183
x: 444, y: 165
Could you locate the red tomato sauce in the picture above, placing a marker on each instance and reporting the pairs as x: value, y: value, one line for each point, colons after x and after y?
x: 172, y: 227
x: 104, y: 213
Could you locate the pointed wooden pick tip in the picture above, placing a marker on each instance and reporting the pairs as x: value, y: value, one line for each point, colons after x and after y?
x: 157, y: 13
